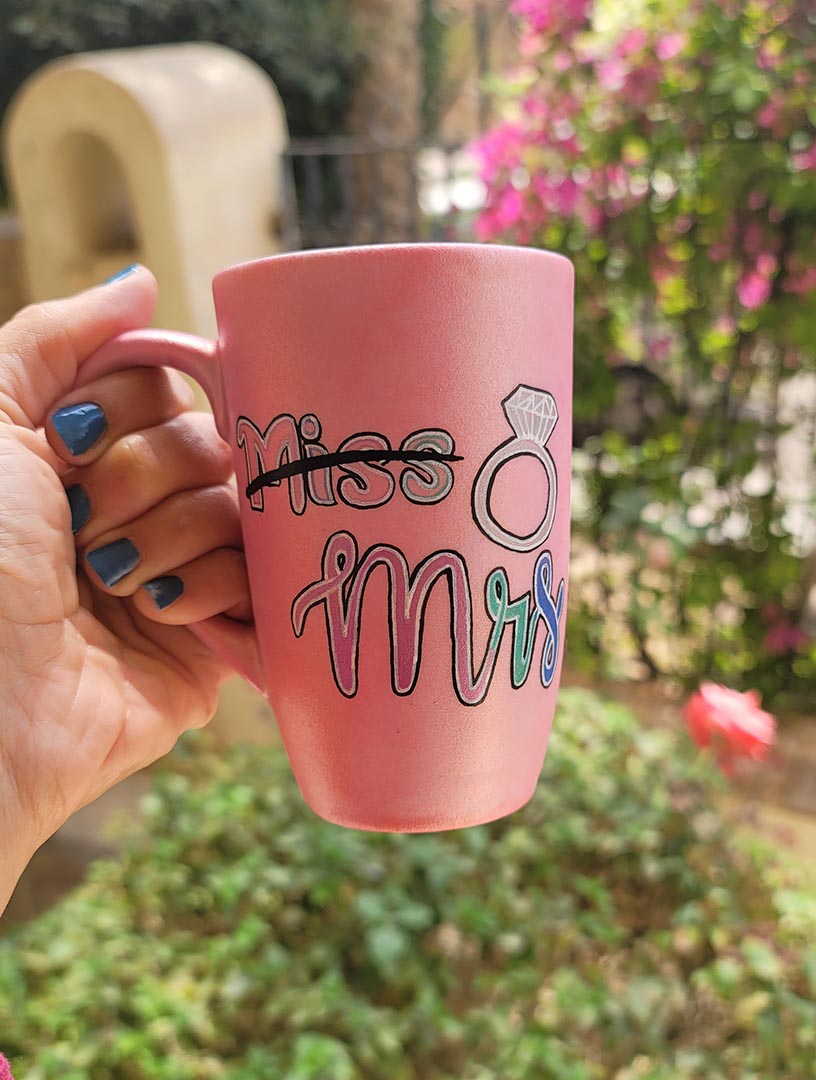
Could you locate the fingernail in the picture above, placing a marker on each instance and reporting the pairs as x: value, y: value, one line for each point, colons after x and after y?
x: 80, y: 505
x: 114, y: 561
x: 122, y: 274
x: 164, y: 590
x: 80, y: 426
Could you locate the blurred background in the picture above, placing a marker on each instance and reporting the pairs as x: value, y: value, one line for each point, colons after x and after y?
x: 652, y: 913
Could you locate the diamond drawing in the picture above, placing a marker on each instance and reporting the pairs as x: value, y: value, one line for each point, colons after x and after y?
x: 531, y: 413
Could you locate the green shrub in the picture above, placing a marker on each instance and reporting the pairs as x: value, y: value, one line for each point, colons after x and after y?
x: 612, y: 929
x: 669, y: 148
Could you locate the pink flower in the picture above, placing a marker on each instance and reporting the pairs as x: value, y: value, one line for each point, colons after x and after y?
x: 548, y: 15
x: 557, y: 195
x: 766, y: 59
x: 660, y: 347
x: 591, y: 215
x: 767, y: 263
x: 753, y: 290
x: 784, y: 638
x: 632, y: 42
x: 660, y: 554
x: 757, y: 199
x: 562, y: 61
x: 771, y: 115
x: 641, y: 82
x: 509, y: 207
x: 805, y: 160
x: 670, y: 45
x: 612, y: 73
x: 500, y: 150
x: 731, y: 723
x: 802, y: 282
x: 486, y: 227
x: 535, y: 107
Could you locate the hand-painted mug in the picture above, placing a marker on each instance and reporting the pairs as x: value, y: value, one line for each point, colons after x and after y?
x: 400, y: 419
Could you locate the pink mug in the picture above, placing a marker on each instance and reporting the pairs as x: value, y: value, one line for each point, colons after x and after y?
x: 400, y: 419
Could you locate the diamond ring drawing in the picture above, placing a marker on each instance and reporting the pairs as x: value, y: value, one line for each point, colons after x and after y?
x: 532, y: 414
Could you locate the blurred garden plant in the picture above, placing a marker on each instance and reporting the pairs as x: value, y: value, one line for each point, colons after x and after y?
x: 668, y: 146
x: 615, y: 929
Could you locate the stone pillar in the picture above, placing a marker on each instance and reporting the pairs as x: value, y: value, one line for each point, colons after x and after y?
x: 387, y: 109
x: 168, y: 155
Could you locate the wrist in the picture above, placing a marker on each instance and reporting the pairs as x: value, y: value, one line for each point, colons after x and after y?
x: 17, y: 845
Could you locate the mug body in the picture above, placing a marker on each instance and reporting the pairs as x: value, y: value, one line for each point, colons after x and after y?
x: 401, y: 424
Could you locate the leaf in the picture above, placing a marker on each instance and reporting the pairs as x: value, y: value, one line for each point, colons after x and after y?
x: 319, y: 1057
x: 762, y: 960
x: 386, y: 946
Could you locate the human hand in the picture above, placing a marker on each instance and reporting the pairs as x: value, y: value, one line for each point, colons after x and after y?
x: 98, y: 675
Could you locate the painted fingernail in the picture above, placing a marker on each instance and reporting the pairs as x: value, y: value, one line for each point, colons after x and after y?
x: 114, y: 561
x: 122, y: 274
x: 80, y: 505
x: 80, y: 426
x: 164, y: 591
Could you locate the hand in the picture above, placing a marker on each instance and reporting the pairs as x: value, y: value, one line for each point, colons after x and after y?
x: 98, y: 674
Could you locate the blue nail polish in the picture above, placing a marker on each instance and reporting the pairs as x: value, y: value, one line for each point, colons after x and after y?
x: 164, y: 590
x: 80, y: 426
x: 80, y: 506
x: 122, y: 274
x: 114, y: 561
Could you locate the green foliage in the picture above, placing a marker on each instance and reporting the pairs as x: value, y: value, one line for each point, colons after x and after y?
x: 672, y: 155
x: 614, y: 928
x: 307, y: 46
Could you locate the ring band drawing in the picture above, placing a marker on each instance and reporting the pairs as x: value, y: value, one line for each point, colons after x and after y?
x: 532, y: 414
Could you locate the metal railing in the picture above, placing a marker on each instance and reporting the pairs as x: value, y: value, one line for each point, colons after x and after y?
x: 346, y: 190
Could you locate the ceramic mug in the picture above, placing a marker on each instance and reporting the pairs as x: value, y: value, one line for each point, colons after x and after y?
x: 400, y: 419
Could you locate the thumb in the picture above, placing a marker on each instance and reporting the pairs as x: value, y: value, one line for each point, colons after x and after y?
x: 44, y: 345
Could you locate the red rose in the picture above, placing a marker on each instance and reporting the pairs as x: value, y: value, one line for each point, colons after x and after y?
x: 731, y: 723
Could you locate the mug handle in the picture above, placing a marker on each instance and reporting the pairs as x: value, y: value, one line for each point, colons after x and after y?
x: 236, y: 642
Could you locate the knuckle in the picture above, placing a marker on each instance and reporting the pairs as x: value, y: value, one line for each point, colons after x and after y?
x: 37, y: 314
x: 232, y: 562
x: 131, y: 461
x: 39, y: 323
x: 212, y: 504
x: 195, y: 437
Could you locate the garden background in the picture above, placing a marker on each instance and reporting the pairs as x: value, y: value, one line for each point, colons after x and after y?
x: 644, y: 917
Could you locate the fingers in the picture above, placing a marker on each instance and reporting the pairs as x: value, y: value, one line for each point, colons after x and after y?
x: 215, y: 583
x: 42, y: 347
x: 177, y: 531
x: 141, y: 470
x: 153, y: 508
x: 88, y: 421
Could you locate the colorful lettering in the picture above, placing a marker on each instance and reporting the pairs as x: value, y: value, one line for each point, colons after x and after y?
x: 341, y: 591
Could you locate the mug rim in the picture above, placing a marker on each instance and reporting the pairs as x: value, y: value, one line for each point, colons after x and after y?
x: 502, y: 251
